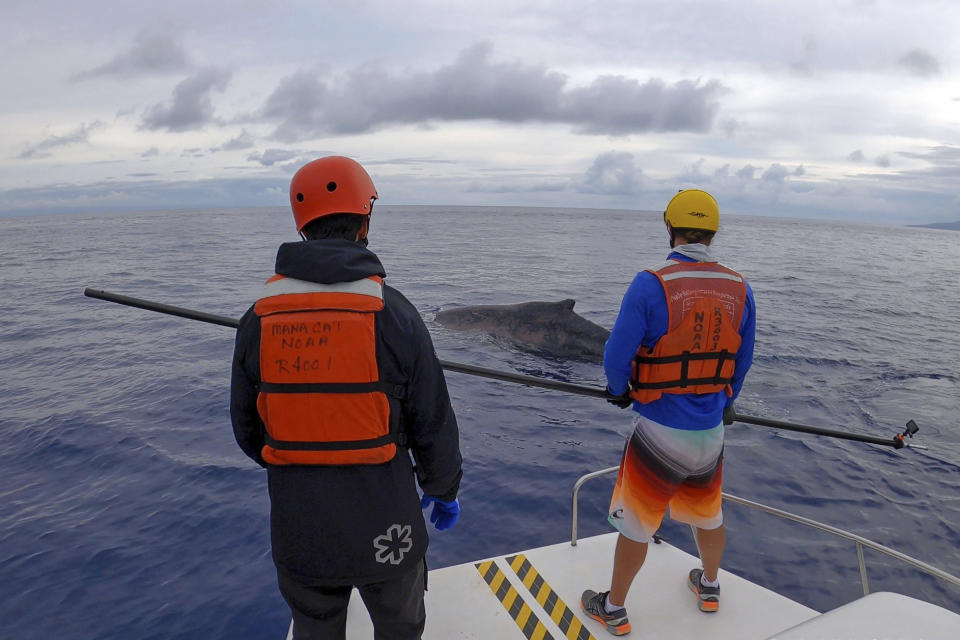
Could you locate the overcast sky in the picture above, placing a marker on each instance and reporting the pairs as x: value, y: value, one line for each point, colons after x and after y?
x: 848, y: 109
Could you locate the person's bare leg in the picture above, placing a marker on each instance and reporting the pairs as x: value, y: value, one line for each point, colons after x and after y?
x: 627, y: 560
x: 711, y: 543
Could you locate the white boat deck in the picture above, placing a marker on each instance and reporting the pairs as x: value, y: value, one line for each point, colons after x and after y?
x: 535, y: 594
x: 461, y: 604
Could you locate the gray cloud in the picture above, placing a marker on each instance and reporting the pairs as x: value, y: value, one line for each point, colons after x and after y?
x: 618, y: 105
x: 892, y: 195
x: 941, y: 176
x: 776, y: 172
x: 919, y: 62
x: 692, y: 174
x: 730, y: 126
x: 191, y: 107
x: 41, y: 149
x: 879, y: 197
x: 296, y: 104
x: 473, y: 87
x: 943, y: 155
x: 154, y: 50
x: 805, y: 65
x: 882, y: 161
x: 241, y: 142
x: 857, y: 156
x: 410, y: 161
x: 612, y: 173
x: 152, y: 152
x: 272, y: 156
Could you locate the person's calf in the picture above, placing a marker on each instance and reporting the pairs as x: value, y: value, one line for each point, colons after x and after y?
x: 628, y: 558
x: 711, y: 542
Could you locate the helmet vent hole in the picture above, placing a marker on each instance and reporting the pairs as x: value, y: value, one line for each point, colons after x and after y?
x: 331, y: 186
x: 299, y: 197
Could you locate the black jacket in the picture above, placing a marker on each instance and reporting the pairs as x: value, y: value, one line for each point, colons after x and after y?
x: 351, y: 524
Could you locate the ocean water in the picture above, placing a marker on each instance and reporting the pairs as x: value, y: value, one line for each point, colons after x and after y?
x: 127, y: 510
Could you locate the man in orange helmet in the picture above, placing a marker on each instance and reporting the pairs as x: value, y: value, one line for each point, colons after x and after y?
x: 678, y: 354
x: 335, y: 384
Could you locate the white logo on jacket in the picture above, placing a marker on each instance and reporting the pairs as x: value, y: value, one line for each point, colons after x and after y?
x: 393, y: 545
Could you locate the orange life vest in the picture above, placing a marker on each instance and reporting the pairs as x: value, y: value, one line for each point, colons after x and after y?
x: 321, y: 398
x: 705, y: 301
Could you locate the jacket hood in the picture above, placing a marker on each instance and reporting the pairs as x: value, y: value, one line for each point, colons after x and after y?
x: 698, y: 252
x: 327, y: 261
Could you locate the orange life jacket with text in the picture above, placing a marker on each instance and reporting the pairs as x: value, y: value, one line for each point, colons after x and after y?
x: 705, y: 302
x: 321, y: 398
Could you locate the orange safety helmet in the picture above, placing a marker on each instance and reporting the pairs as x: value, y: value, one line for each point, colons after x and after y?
x: 330, y: 185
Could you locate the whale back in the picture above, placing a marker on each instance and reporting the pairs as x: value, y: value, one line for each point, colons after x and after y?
x: 548, y: 327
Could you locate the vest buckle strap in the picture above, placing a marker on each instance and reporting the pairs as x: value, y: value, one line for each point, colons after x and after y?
x: 336, y: 445
x: 397, y: 391
x: 687, y: 357
x: 688, y: 382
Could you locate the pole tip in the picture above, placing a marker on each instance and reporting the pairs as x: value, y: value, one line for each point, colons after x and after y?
x: 911, y: 429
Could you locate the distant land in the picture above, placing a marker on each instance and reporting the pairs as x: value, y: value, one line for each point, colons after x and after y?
x: 954, y: 226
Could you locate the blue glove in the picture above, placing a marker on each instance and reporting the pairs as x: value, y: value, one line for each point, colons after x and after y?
x: 444, y: 514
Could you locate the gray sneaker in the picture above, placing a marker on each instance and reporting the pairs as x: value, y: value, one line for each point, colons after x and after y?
x: 708, y: 598
x: 593, y: 605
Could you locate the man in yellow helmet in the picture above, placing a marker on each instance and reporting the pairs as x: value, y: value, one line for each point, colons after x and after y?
x: 335, y: 386
x: 677, y: 355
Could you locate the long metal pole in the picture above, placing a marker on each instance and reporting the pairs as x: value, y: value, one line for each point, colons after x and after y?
x: 168, y: 309
x: 804, y: 428
x: 532, y: 381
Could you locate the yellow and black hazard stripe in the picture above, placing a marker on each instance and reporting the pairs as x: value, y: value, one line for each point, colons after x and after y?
x: 557, y: 609
x: 520, y: 611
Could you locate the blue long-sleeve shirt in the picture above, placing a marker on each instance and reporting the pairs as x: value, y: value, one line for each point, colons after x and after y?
x: 643, y: 320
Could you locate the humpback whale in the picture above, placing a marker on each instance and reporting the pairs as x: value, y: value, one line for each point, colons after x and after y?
x: 547, y: 327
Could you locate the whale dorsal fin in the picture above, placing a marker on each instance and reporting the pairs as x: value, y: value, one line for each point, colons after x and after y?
x: 567, y: 304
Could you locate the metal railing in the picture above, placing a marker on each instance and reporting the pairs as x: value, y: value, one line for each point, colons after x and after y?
x: 860, y: 541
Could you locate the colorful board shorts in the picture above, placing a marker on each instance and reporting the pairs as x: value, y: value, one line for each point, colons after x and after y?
x: 665, y: 467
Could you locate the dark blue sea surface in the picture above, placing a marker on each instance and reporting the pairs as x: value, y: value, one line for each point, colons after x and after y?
x: 129, y: 512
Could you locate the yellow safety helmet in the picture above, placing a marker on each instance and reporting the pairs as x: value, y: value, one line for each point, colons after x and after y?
x: 693, y: 209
